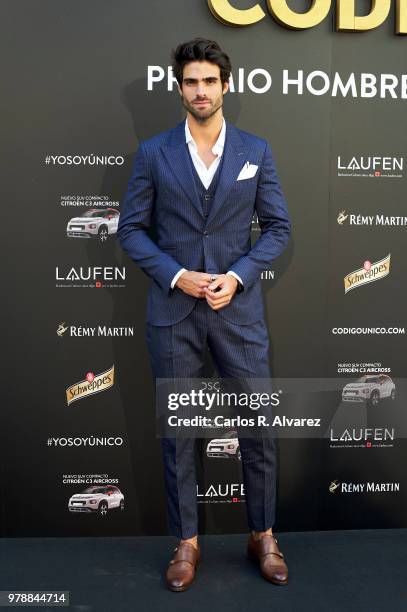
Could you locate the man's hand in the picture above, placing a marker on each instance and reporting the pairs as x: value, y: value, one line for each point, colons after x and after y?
x: 219, y: 298
x: 194, y: 283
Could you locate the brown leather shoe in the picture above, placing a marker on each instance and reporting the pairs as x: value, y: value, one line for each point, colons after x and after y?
x: 266, y: 552
x: 182, y: 567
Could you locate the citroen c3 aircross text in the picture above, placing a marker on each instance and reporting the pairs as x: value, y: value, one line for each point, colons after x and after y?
x: 98, y: 499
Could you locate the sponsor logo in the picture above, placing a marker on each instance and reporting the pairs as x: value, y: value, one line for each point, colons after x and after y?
x: 226, y: 447
x: 61, y: 329
x: 97, y: 499
x: 333, y: 486
x: 346, y: 18
x: 91, y: 276
x: 342, y: 217
x: 101, y: 331
x: 90, y: 201
x: 91, y: 385
x: 371, y: 220
x: 373, y: 166
x: 362, y: 368
x: 358, y: 434
x: 368, y: 274
x: 224, y: 493
x: 362, y: 437
x: 99, y: 224
x: 363, y: 487
x: 89, y: 479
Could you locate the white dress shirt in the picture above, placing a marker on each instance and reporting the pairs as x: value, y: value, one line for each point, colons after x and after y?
x: 205, y: 174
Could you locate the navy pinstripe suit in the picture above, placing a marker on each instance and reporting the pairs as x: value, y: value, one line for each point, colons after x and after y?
x: 163, y: 194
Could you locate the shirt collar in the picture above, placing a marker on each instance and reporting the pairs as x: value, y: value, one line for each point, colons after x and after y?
x: 219, y: 145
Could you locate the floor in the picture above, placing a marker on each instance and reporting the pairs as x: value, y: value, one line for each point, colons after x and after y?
x: 329, y: 571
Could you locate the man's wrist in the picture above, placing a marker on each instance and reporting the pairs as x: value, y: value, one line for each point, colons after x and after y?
x: 176, y: 277
x: 238, y: 279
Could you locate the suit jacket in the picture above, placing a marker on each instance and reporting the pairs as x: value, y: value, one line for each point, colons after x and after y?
x: 162, y: 195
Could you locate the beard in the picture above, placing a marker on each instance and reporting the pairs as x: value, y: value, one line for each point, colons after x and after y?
x: 202, y: 115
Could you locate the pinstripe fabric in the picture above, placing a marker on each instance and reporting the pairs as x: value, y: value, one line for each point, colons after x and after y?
x: 205, y: 195
x: 162, y: 194
x: 178, y: 351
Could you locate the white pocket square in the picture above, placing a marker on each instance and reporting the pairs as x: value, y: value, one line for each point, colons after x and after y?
x: 248, y: 171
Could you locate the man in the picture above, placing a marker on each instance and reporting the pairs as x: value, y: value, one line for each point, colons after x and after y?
x: 198, y: 186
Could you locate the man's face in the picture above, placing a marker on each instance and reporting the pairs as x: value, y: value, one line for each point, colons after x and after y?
x: 202, y: 90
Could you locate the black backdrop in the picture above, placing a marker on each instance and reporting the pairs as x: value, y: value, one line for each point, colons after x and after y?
x: 77, y: 85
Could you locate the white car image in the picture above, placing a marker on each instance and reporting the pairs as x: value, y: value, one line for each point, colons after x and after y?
x: 370, y: 389
x: 98, y: 499
x: 227, y: 446
x: 94, y: 223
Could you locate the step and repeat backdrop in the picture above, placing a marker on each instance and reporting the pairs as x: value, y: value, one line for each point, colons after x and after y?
x: 326, y: 84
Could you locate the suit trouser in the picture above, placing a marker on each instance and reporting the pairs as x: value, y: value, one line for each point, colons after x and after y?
x: 238, y: 351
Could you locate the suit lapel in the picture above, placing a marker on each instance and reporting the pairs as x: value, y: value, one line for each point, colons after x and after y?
x: 177, y: 156
x: 235, y: 155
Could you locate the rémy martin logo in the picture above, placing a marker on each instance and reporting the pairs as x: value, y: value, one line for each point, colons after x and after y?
x: 346, y: 20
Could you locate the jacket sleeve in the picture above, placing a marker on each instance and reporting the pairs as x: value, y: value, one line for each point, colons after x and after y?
x: 135, y: 220
x: 274, y: 224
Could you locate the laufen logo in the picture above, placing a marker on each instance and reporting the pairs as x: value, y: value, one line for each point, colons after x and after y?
x: 375, y: 166
x: 93, y: 383
x: 91, y: 276
x: 362, y: 434
x: 231, y: 492
x: 368, y: 274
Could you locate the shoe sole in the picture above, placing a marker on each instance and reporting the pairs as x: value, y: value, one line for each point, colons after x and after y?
x: 178, y: 589
x: 253, y: 557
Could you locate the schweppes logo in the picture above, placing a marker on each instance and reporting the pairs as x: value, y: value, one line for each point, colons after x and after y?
x: 368, y: 274
x: 93, y: 383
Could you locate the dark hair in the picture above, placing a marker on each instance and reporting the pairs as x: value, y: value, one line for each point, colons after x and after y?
x: 199, y: 50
